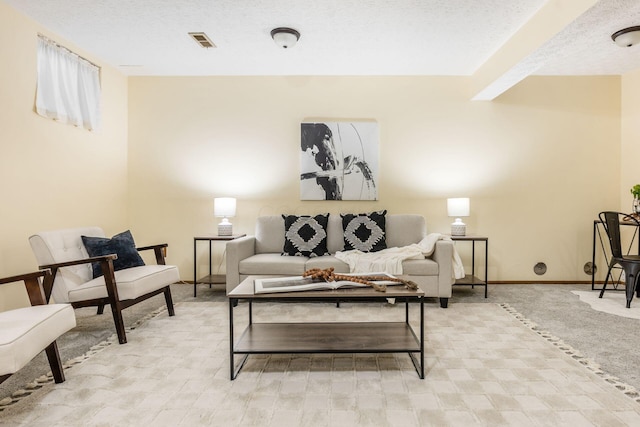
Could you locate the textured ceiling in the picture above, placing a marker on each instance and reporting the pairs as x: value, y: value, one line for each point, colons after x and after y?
x: 585, y: 47
x: 338, y: 37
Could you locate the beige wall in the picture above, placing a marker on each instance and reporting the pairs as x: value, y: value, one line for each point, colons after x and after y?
x: 53, y: 175
x: 538, y: 163
x: 630, y: 147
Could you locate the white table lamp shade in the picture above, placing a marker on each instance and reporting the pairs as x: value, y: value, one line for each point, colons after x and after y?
x: 458, y: 207
x: 224, y: 207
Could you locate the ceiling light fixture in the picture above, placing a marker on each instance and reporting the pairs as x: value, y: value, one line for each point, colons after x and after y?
x: 285, y: 37
x: 627, y: 37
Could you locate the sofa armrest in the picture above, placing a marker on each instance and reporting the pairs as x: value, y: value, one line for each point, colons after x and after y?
x: 237, y: 250
x: 443, y: 255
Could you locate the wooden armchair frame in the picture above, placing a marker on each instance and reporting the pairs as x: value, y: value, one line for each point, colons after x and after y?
x: 112, y: 298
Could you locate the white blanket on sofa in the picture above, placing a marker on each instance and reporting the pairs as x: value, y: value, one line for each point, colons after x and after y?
x: 390, y: 260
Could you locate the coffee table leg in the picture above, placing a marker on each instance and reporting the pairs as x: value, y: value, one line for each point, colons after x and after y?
x: 233, y: 370
x: 231, y: 358
x: 422, y: 338
x: 418, y: 364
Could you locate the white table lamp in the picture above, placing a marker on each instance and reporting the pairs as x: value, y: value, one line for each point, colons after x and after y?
x: 458, y: 207
x: 224, y: 207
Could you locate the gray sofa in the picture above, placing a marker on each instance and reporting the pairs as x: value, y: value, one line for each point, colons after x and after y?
x: 261, y: 254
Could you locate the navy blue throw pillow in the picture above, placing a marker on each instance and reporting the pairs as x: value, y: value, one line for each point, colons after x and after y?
x: 365, y: 232
x: 121, y: 244
x: 305, y: 235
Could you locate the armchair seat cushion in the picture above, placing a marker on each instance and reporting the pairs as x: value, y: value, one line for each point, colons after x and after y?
x: 132, y: 283
x: 25, y: 332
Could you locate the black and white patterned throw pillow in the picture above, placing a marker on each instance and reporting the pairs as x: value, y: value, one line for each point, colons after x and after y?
x: 365, y: 232
x: 305, y: 235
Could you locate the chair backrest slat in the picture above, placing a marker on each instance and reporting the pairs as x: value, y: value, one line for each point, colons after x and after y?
x: 611, y: 222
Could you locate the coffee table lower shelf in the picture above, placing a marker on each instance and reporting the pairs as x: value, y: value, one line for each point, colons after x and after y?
x: 328, y: 337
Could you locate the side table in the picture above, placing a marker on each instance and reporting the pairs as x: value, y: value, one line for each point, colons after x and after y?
x: 471, y: 279
x: 210, y: 278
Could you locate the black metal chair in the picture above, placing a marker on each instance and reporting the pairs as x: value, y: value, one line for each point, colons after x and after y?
x: 629, y: 263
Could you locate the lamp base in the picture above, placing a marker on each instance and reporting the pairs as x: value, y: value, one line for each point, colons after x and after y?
x: 225, y: 228
x: 458, y: 228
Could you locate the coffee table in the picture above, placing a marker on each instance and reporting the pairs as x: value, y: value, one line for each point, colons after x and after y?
x: 326, y: 337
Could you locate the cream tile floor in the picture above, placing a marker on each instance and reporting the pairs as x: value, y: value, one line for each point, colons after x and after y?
x: 484, y: 366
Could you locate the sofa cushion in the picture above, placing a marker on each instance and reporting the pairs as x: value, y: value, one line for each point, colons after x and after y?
x: 269, y: 234
x: 273, y: 264
x: 335, y: 235
x: 305, y: 235
x: 121, y: 244
x: 327, y: 261
x: 404, y: 230
x: 364, y: 232
x: 401, y: 230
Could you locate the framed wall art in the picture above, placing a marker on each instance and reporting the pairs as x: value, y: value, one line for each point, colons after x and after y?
x: 339, y: 160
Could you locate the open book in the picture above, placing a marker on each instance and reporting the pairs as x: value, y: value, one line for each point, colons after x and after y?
x: 299, y: 283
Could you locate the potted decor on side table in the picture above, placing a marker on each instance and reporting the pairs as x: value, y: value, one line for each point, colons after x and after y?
x: 635, y: 190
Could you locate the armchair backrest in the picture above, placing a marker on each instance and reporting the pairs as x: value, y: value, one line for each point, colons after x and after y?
x: 50, y: 247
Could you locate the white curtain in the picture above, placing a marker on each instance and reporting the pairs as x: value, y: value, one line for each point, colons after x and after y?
x: 68, y: 86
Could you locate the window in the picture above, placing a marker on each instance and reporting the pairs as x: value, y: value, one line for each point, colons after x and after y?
x: 68, y: 87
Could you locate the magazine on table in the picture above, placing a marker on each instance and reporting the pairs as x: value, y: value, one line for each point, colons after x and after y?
x: 299, y: 283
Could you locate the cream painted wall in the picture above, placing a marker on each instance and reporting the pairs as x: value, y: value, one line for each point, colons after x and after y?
x: 630, y: 171
x: 53, y: 175
x: 538, y: 163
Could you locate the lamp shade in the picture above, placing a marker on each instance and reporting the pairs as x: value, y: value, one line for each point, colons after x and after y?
x: 458, y: 207
x: 224, y: 206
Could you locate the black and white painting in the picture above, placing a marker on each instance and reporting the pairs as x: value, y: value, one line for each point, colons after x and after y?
x: 339, y: 161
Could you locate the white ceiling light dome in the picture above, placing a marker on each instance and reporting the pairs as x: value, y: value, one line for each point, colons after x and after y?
x: 627, y: 37
x: 285, y: 37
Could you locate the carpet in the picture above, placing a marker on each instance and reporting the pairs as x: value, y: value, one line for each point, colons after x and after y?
x: 612, y: 302
x: 485, y: 365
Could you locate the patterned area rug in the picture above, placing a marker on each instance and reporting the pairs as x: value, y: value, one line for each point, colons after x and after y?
x: 612, y: 302
x: 485, y: 365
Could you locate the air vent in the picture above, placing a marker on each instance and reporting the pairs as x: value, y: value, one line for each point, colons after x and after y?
x: 202, y: 39
x: 590, y: 268
x: 540, y: 268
